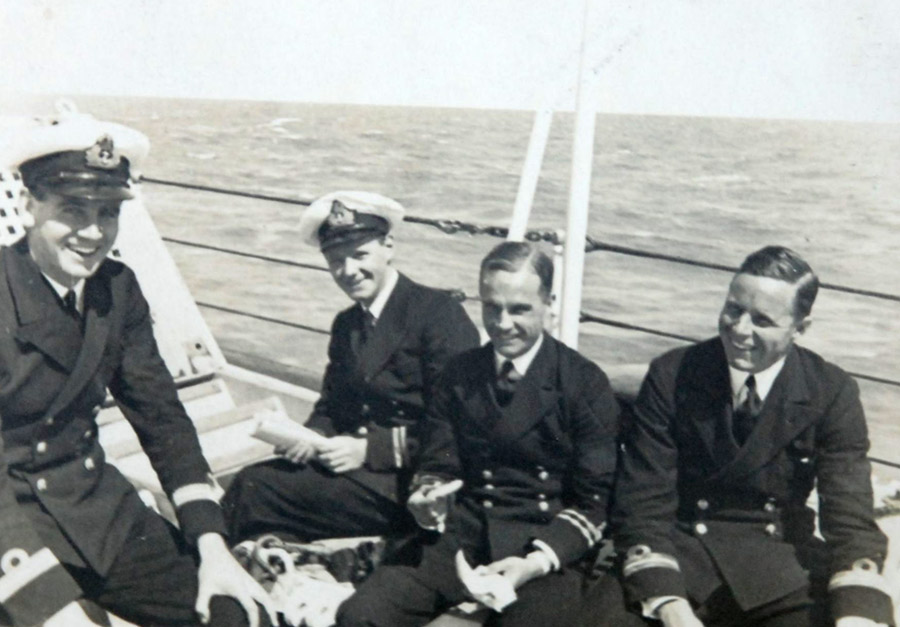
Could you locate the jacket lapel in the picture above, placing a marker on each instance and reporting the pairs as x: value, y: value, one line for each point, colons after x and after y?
x: 390, y: 330
x: 42, y: 322
x: 707, y: 400
x: 97, y: 307
x: 536, y: 394
x: 785, y: 415
x: 476, y: 393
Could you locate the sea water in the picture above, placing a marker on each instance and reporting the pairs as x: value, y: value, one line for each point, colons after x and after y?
x: 705, y: 188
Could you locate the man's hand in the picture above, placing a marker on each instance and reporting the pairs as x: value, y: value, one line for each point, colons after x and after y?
x: 856, y: 621
x: 430, y: 503
x: 72, y: 615
x: 300, y: 452
x: 343, y: 453
x: 520, y: 570
x: 220, y: 574
x: 678, y: 613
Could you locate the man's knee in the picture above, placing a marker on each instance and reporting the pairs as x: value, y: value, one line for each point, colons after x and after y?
x: 227, y: 612
x: 354, y: 612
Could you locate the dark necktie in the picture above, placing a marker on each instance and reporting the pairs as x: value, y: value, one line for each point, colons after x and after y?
x: 745, y: 415
x: 506, y: 382
x: 367, y: 328
x: 70, y: 304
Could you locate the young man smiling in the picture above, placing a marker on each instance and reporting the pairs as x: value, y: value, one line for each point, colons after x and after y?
x: 385, y: 354
x: 74, y: 325
x: 730, y: 436
x: 529, y: 427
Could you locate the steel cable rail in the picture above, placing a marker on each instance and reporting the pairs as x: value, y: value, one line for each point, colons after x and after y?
x: 456, y: 226
x: 451, y: 227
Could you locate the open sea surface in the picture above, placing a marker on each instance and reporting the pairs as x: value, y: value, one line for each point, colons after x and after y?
x: 706, y: 188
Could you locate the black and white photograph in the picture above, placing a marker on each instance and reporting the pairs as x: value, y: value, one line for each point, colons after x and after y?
x: 520, y: 313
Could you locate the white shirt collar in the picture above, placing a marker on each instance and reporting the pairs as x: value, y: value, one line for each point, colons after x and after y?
x: 523, y: 361
x: 764, y: 380
x: 390, y: 282
x: 62, y: 290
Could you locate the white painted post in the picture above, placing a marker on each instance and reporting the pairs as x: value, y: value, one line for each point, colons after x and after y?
x: 531, y: 170
x: 579, y: 194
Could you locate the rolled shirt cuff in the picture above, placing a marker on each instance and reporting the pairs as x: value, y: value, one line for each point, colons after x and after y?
x: 549, y: 553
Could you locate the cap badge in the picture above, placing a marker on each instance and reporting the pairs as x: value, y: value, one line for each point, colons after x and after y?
x: 103, y: 155
x: 340, y: 215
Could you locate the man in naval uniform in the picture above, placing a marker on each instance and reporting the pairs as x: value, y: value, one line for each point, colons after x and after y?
x: 530, y: 428
x: 384, y: 357
x: 73, y: 325
x: 730, y: 436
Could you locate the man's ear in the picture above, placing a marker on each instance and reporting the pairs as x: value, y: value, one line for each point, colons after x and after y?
x: 804, y: 324
x: 388, y: 240
x: 25, y: 205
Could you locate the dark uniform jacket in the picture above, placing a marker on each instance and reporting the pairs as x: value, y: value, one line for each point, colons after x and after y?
x: 539, y: 469
x: 379, y: 386
x: 59, y: 500
x: 696, y: 510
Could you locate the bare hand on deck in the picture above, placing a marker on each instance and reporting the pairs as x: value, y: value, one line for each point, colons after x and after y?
x: 220, y: 574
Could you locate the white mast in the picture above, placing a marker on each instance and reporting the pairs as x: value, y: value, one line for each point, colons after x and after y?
x: 531, y: 170
x: 579, y: 194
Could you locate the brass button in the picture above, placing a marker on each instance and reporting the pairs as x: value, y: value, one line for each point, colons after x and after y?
x: 488, y: 486
x: 542, y: 497
x: 701, y: 529
x: 49, y: 420
x: 543, y: 475
x: 487, y: 503
x: 365, y: 408
x: 41, y: 484
x: 88, y: 434
x: 769, y: 507
x: 771, y: 529
x: 41, y: 447
x: 95, y: 411
x: 487, y: 474
x: 89, y: 463
x: 543, y: 506
x: 703, y: 504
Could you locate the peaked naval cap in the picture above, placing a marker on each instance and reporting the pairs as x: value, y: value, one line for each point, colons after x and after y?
x: 343, y: 217
x: 74, y: 155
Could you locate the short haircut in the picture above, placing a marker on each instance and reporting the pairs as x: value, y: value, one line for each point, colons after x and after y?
x: 778, y: 262
x: 512, y: 257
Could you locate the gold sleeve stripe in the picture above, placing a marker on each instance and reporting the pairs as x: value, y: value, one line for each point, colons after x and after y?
x: 578, y: 523
x: 859, y: 577
x: 594, y: 532
x: 26, y: 572
x: 194, y: 492
x: 398, y: 436
x: 643, y: 561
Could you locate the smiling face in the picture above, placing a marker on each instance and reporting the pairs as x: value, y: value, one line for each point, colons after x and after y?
x: 360, y: 268
x: 513, y: 310
x: 70, y: 237
x: 757, y: 324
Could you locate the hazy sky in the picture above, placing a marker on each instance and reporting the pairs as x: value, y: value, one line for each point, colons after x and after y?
x: 771, y: 58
